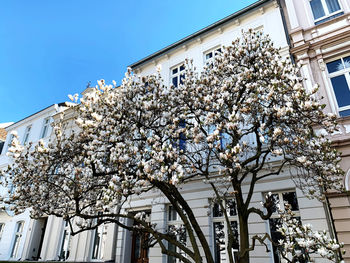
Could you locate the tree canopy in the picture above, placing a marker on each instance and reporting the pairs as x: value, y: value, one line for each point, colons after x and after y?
x: 245, y: 117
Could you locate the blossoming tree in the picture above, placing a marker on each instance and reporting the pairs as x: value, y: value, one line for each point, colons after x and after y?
x: 223, y: 126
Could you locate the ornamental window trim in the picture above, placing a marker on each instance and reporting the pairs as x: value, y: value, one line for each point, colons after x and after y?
x: 335, y: 72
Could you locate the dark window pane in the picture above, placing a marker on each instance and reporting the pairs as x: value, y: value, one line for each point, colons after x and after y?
x: 219, y: 237
x: 276, y: 202
x: 335, y: 66
x: 275, y: 235
x: 174, y: 70
x: 344, y: 113
x: 291, y: 198
x: 209, y: 55
x: 218, y: 50
x: 317, y: 8
x: 234, y: 228
x: 347, y: 61
x: 172, y: 213
x: 231, y: 207
x: 217, y: 212
x: 182, y: 139
x: 332, y: 5
x: 182, y: 67
x: 96, y: 244
x: 329, y: 18
x: 341, y: 90
x: 175, y: 81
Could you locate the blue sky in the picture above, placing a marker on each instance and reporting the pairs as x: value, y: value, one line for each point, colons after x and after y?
x: 49, y: 49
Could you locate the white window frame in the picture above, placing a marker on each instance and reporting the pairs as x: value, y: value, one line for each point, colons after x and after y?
x: 214, y: 51
x: 222, y: 219
x: 64, y: 247
x: 282, y: 207
x: 27, y: 134
x: 100, y: 231
x: 11, y: 137
x: 326, y: 11
x: 346, y: 72
x: 174, y: 222
x: 17, y: 239
x: 177, y: 74
x: 45, y: 128
x: 2, y: 227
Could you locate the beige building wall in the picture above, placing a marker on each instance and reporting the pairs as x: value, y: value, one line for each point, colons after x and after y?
x: 316, y: 42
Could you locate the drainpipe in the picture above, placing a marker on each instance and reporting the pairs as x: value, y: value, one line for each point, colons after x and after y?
x: 284, y: 22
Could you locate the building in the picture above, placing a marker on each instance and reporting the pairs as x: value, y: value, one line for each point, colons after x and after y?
x: 201, y: 46
x: 50, y: 238
x: 20, y: 236
x: 319, y: 31
x: 3, y: 133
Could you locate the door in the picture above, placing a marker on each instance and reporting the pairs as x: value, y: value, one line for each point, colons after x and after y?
x: 139, y: 251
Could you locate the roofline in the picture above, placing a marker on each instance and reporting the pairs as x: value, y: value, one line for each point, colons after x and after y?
x: 201, y: 31
x: 59, y: 104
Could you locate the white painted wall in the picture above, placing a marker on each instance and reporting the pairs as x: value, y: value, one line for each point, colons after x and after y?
x: 30, y: 232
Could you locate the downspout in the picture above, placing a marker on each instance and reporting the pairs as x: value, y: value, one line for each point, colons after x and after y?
x: 284, y: 22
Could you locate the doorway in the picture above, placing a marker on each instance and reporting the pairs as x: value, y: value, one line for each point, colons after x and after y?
x: 140, y: 246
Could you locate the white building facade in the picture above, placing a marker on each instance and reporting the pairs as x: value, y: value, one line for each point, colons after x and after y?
x: 110, y: 243
x: 21, y: 237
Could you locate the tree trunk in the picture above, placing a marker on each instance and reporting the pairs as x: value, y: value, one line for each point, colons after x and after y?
x: 244, y: 239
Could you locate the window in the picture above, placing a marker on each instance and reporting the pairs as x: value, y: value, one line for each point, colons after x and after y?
x: 324, y: 10
x: 175, y: 225
x: 26, y: 135
x: 339, y: 74
x: 179, y: 140
x: 182, y: 136
x: 65, y: 245
x: 224, y: 138
x: 220, y: 228
x: 279, y: 198
x: 45, y: 128
x: 9, y: 143
x: 17, y: 240
x: 177, y: 75
x: 2, y: 226
x: 209, y: 55
x: 99, y: 242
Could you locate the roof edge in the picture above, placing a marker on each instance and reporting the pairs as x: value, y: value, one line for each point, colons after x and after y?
x: 61, y: 104
x: 200, y: 32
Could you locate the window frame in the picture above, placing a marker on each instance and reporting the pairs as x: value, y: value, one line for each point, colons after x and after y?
x: 2, y: 227
x: 45, y: 128
x: 102, y: 231
x: 11, y: 137
x: 174, y: 222
x: 327, y: 15
x: 177, y: 74
x: 275, y: 215
x: 343, y: 72
x: 27, y: 134
x: 17, y: 239
x: 214, y: 51
x: 62, y: 250
x: 221, y: 219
